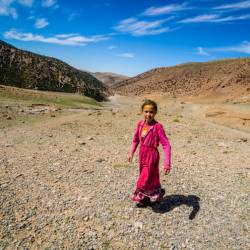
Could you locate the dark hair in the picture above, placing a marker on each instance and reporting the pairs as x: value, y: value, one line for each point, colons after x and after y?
x: 149, y: 102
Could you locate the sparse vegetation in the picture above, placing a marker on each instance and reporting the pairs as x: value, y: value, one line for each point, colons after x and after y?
x: 24, y: 69
x: 27, y: 97
x: 19, y: 106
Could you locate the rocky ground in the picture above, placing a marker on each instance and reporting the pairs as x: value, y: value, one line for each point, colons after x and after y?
x: 65, y: 182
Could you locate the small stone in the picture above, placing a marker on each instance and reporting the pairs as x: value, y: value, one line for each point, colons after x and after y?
x: 82, y: 143
x: 90, y: 138
x: 52, y: 115
x: 92, y: 216
x: 222, y: 145
x: 243, y: 140
x: 138, y: 225
x: 100, y: 160
x: 8, y: 117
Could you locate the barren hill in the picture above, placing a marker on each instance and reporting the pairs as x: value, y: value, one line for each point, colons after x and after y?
x: 192, y: 78
x: 109, y: 78
x: 25, y: 69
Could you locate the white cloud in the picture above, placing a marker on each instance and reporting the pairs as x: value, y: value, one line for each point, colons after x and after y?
x: 7, y: 10
x: 156, y: 11
x: 141, y: 28
x: 101, y: 5
x: 13, y: 13
x: 67, y: 35
x: 214, y: 18
x: 202, y: 52
x: 126, y: 55
x: 111, y: 47
x: 73, y: 16
x: 41, y: 23
x: 30, y: 17
x: 244, y: 47
x: 232, y: 18
x: 201, y: 18
x: 234, y: 6
x: 48, y: 3
x: 28, y: 3
x: 60, y: 39
x: 6, y: 2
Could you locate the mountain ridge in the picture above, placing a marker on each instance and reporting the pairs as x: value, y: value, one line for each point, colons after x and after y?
x: 25, y: 69
x: 109, y: 78
x: 189, y: 78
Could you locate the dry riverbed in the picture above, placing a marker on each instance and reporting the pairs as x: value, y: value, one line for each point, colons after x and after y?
x: 65, y: 182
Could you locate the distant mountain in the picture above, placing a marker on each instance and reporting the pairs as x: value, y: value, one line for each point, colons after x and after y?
x: 190, y: 78
x: 109, y: 78
x: 25, y: 69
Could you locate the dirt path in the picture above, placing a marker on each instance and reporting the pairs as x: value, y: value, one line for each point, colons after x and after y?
x: 65, y: 183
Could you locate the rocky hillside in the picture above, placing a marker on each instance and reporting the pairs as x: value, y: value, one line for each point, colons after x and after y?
x: 29, y: 70
x: 191, y: 78
x: 109, y: 78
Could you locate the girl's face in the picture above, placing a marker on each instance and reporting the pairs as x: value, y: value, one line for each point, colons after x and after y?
x: 149, y: 113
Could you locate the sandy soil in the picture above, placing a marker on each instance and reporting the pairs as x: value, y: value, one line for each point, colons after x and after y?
x: 65, y: 182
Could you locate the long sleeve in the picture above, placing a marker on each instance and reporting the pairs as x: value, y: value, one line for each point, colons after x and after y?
x: 166, y: 147
x: 135, y: 140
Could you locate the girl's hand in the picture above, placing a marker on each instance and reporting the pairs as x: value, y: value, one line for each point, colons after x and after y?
x: 167, y: 171
x: 130, y: 157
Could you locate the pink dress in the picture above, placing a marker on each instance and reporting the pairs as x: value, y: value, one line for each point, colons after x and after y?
x: 148, y: 183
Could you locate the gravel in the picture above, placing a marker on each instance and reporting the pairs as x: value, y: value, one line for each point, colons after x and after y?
x: 56, y: 193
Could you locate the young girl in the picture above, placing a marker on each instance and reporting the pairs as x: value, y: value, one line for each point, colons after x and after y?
x: 149, y: 133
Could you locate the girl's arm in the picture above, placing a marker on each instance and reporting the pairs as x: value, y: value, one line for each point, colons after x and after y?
x: 166, y: 147
x: 136, y: 140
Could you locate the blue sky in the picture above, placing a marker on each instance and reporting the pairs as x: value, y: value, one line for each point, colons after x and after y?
x: 128, y: 36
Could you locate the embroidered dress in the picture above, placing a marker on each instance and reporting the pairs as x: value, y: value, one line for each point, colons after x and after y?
x: 148, y: 183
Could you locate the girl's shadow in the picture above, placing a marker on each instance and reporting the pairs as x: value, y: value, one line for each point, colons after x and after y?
x: 169, y: 202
